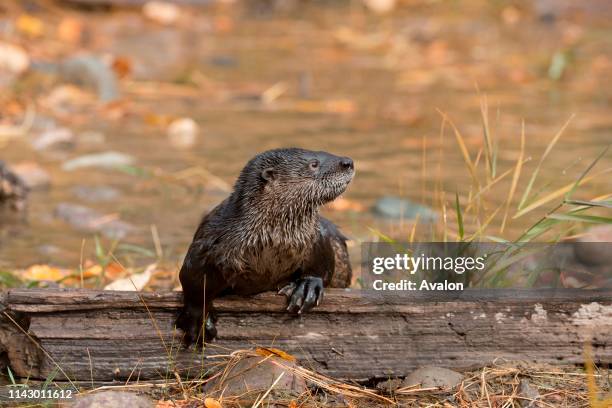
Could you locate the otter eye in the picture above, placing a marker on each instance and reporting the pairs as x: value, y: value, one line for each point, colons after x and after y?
x: 314, y: 164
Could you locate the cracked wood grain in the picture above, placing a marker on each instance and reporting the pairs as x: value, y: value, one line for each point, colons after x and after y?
x: 350, y: 335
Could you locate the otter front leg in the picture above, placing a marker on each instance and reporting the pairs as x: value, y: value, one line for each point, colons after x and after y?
x: 201, y: 285
x: 307, y: 291
x: 190, y: 321
x: 304, y: 294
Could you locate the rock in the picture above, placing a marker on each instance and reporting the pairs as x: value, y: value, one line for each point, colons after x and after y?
x: 107, y: 399
x: 86, y: 219
x: 225, y: 61
x: 161, y: 12
x: 183, y: 133
x: 429, y: 377
x: 595, y: 247
x: 91, y: 71
x: 252, y: 375
x: 529, y: 393
x: 380, y: 6
x: 54, y: 138
x: 144, y: 52
x: 395, y: 207
x: 33, y: 175
x: 105, y: 160
x: 389, y: 386
x: 13, y: 58
x: 95, y: 194
x: 91, y: 137
x: 13, y: 190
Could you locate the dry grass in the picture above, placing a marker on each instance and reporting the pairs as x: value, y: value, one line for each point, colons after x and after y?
x: 497, y: 385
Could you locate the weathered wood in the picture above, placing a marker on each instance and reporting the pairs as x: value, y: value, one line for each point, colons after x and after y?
x: 116, y: 335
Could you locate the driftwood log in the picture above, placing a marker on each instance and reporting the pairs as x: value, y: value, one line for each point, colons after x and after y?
x: 105, y: 336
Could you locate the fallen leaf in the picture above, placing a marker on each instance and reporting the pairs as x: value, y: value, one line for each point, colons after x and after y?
x: 223, y: 24
x: 269, y: 351
x: 212, y: 403
x: 70, y: 30
x: 122, y: 66
x: 154, y: 119
x: 93, y: 271
x: 30, y: 25
x: 134, y: 282
x: 45, y: 273
x: 113, y: 270
x: 342, y: 204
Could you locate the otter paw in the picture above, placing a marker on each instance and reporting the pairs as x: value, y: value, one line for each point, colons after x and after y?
x: 191, y: 324
x: 304, y: 294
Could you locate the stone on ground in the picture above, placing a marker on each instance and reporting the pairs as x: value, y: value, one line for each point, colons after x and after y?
x: 429, y: 377
x: 109, y: 399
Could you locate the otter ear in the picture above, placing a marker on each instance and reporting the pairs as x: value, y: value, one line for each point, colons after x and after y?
x: 268, y: 174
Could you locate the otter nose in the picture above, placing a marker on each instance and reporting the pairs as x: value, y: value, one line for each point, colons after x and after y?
x: 346, y: 163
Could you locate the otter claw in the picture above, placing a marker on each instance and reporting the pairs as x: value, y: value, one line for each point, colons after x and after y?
x: 191, y: 324
x: 305, y: 294
x: 287, y: 290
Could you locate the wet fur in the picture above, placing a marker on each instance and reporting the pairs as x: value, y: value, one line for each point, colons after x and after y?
x: 267, y: 233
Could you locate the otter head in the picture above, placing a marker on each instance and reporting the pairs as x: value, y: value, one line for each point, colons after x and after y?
x: 295, y: 178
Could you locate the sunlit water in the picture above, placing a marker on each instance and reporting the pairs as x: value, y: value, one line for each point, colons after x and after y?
x: 356, y: 85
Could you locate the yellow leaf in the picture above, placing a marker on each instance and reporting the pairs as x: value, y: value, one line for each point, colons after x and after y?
x: 269, y: 351
x: 70, y: 30
x: 30, y: 25
x: 92, y: 271
x: 45, y: 272
x: 343, y: 204
x: 212, y: 403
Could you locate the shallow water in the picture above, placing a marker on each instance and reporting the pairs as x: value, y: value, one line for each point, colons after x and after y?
x: 356, y: 84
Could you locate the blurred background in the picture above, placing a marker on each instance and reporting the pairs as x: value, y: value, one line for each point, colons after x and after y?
x: 129, y: 119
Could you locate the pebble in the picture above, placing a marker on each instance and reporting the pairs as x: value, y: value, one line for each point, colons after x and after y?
x: 388, y: 387
x: 112, y: 399
x: 90, y: 70
x: 95, y: 194
x: 398, y: 208
x: 106, y: 160
x: 91, y: 137
x: 54, y: 138
x: 161, y: 12
x: 253, y: 375
x: 33, y: 175
x: 595, y: 247
x: 530, y: 394
x: 429, y: 377
x: 380, y: 6
x: 183, y: 133
x: 13, y: 58
x: 88, y: 220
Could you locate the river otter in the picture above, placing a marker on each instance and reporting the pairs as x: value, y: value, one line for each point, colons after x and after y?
x: 267, y: 235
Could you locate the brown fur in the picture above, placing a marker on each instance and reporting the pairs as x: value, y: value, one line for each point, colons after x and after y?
x: 268, y: 232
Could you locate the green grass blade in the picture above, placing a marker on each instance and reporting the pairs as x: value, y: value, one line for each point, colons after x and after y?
x: 604, y: 203
x: 591, y: 219
x: 558, y: 193
x: 585, y: 172
x: 459, y: 216
x: 550, y: 146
